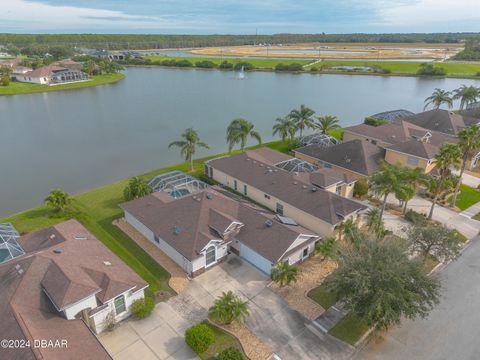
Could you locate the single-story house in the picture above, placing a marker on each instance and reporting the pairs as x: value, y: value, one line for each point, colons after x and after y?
x: 354, y: 158
x: 52, y: 75
x: 287, y: 193
x: 198, y: 230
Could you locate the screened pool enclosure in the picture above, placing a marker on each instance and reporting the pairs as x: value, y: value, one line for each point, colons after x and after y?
x: 320, y: 139
x: 176, y: 183
x: 9, y: 247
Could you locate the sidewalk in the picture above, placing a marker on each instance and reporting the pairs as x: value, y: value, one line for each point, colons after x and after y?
x: 471, y: 211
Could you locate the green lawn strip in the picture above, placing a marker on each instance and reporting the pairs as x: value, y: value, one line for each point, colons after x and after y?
x: 476, y: 217
x: 350, y: 329
x: 26, y: 88
x: 223, y: 340
x: 32, y: 220
x: 322, y: 296
x: 467, y: 197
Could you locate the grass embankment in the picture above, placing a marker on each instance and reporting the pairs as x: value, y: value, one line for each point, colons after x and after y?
x: 16, y: 88
x: 223, y: 340
x: 323, y: 297
x: 467, y: 197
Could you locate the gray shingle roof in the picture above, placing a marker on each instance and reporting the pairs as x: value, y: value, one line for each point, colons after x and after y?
x: 444, y: 121
x: 393, y: 114
x: 417, y: 148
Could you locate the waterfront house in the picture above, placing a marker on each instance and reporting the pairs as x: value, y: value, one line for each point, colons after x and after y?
x: 254, y: 174
x: 61, y: 283
x: 52, y: 75
x: 197, y: 230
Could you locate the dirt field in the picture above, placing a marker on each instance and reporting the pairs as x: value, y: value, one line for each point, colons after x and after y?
x: 374, y: 51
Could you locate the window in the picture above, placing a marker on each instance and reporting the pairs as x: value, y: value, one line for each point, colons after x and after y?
x: 412, y: 161
x: 210, y: 256
x: 244, y: 189
x: 119, y: 303
x: 338, y: 190
x: 266, y: 196
x: 235, y: 185
x: 279, y: 209
x: 305, y: 252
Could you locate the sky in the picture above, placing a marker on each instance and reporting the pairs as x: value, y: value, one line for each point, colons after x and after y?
x: 238, y: 16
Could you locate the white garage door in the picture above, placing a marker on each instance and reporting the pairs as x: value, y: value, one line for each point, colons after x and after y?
x: 255, y: 259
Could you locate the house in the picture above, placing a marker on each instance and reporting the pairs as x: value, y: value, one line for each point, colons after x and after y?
x: 69, y: 64
x: 61, y: 283
x: 198, y: 230
x: 442, y: 121
x: 415, y: 153
x: 52, y: 75
x: 354, y: 158
x: 287, y: 193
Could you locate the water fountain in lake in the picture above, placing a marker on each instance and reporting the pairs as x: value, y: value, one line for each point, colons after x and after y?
x: 241, y: 74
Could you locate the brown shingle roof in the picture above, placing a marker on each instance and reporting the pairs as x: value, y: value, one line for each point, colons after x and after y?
x: 283, y: 185
x: 355, y: 155
x: 417, y: 148
x: 325, y: 177
x: 443, y: 121
x: 44, y: 71
x: 194, y: 215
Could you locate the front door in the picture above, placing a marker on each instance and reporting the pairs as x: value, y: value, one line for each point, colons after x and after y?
x: 210, y: 256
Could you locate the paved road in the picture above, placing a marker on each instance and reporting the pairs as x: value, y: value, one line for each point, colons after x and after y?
x: 451, y: 330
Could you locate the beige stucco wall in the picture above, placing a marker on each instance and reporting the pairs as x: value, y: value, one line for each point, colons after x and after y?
x: 347, y: 189
x: 394, y: 157
x: 304, y: 219
x: 347, y: 136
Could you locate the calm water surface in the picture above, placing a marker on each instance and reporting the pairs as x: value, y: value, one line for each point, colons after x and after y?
x: 85, y: 138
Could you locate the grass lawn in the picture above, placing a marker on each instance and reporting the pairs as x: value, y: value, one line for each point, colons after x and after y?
x: 467, y: 197
x: 323, y: 297
x: 476, y: 217
x: 25, y: 88
x: 350, y: 329
x: 223, y: 340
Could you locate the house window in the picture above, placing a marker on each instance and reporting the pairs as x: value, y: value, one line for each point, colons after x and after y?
x: 412, y: 161
x: 338, y: 190
x: 210, y: 256
x: 119, y: 303
x: 235, y: 185
x: 279, y: 209
x: 244, y: 189
x: 305, y: 253
x: 266, y: 196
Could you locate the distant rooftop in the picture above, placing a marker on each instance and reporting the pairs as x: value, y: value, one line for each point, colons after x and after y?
x: 320, y: 139
x: 393, y: 114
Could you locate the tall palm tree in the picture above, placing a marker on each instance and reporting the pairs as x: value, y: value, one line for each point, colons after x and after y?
x: 136, y: 188
x: 238, y: 131
x: 438, y: 98
x: 58, y: 200
x: 437, y: 186
x: 375, y: 222
x: 468, y: 141
x: 229, y: 308
x: 408, y: 187
x: 350, y: 230
x: 388, y: 179
x: 302, y: 118
x: 467, y: 95
x: 326, y: 123
x: 283, y: 273
x: 285, y: 127
x: 189, y: 144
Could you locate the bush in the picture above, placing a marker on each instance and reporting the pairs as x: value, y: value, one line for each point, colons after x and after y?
x: 294, y: 144
x: 5, y: 80
x: 415, y: 217
x: 225, y: 65
x: 430, y: 70
x: 231, y: 353
x: 374, y: 121
x: 199, y: 337
x: 360, y: 188
x: 184, y: 63
x: 314, y: 69
x: 142, y: 308
x: 246, y: 66
x: 289, y: 67
x: 206, y: 64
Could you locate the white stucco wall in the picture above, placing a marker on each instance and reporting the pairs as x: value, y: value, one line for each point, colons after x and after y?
x: 255, y: 259
x: 298, y: 255
x: 87, y: 303
x: 32, y: 80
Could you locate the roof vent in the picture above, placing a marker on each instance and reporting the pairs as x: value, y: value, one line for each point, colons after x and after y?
x: 314, y: 189
x: 261, y: 165
x: 80, y: 237
x: 57, y: 251
x: 248, y: 159
x: 268, y: 223
x: 107, y: 263
x: 177, y: 230
x: 209, y: 196
x: 295, y: 183
x: 52, y: 236
x: 304, y: 186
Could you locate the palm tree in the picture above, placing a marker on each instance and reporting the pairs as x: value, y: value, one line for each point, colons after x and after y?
x: 405, y: 194
x: 375, y: 222
x: 229, y: 308
x: 136, y: 188
x: 468, y: 141
x: 385, y: 181
x: 437, y: 186
x: 350, y: 230
x: 327, y: 248
x: 326, y: 123
x: 302, y: 118
x: 467, y: 95
x: 438, y: 98
x: 285, y: 127
x: 58, y: 200
x: 283, y: 273
x: 189, y: 145
x: 408, y: 187
x: 238, y: 131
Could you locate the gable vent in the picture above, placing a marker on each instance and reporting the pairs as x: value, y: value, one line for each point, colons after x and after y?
x: 268, y: 223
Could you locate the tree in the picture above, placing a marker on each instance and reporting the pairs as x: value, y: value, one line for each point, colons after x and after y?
x: 375, y: 222
x: 379, y: 283
x: 285, y: 127
x: 437, y: 240
x: 467, y: 95
x: 437, y: 186
x: 326, y: 123
x: 302, y: 118
x: 199, y: 337
x: 327, y: 248
x: 228, y: 308
x: 283, y: 273
x: 5, y: 72
x: 136, y: 188
x: 438, y: 98
x: 238, y: 131
x: 58, y: 200
x: 349, y: 229
x: 408, y: 188
x: 188, y: 146
x: 468, y: 141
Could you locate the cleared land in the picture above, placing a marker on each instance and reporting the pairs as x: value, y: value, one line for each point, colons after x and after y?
x: 16, y: 88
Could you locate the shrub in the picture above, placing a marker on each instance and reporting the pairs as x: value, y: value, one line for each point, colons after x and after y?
x: 246, y: 66
x: 294, y: 144
x: 142, y: 308
x: 5, y: 80
x: 314, y: 69
x: 374, y: 121
x: 231, y: 353
x: 184, y: 63
x: 168, y: 62
x: 360, y: 188
x: 430, y: 70
x: 199, y: 337
x: 327, y: 247
x: 225, y: 65
x: 206, y: 64
x: 415, y: 217
x: 289, y: 67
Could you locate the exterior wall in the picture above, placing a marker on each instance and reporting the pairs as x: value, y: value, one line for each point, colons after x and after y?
x: 33, y: 80
x: 394, y: 157
x: 306, y: 220
x: 347, y: 189
x: 347, y: 136
x: 87, y: 303
x: 255, y: 259
x: 298, y: 255
x: 320, y: 163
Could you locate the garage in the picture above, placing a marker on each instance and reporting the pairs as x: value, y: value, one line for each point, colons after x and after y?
x: 255, y: 259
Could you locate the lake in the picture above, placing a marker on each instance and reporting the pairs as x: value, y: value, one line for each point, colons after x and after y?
x: 80, y: 139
